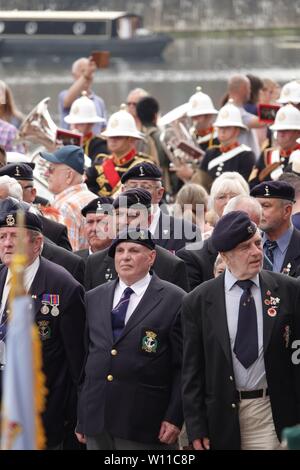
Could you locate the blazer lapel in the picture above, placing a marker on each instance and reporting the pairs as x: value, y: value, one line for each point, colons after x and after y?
x: 106, y: 307
x: 162, y: 231
x: 289, y: 265
x: 149, y: 301
x: 37, y: 288
x: 269, y: 288
x: 108, y: 269
x: 217, y: 310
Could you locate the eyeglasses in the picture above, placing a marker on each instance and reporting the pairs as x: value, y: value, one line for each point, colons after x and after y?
x: 27, y: 187
x: 131, y: 103
x: 52, y: 169
x: 148, y: 187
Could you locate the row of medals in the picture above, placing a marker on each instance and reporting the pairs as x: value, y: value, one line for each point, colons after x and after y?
x: 54, y: 310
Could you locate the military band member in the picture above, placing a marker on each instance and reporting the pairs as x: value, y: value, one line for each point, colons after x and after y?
x: 230, y: 155
x: 130, y: 398
x: 202, y: 112
x: 274, y: 160
x: 82, y: 117
x: 104, y: 178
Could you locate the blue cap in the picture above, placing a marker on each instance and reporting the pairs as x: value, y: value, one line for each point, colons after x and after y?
x: 133, y: 196
x: 70, y: 155
x: 143, y: 171
x: 139, y: 236
x: 231, y: 230
x: 274, y: 190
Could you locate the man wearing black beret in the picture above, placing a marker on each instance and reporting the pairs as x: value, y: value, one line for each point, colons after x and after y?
x: 98, y: 221
x: 241, y: 374
x: 58, y: 308
x: 130, y: 398
x: 133, y: 208
x: 281, y: 240
x: 23, y: 173
x: 169, y: 232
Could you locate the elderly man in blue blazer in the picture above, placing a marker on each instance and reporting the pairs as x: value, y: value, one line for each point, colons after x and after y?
x: 130, y: 394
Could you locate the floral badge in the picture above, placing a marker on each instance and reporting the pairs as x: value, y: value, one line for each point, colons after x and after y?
x: 273, y: 303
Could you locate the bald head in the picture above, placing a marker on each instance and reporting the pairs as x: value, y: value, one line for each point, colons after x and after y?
x: 79, y: 66
x: 239, y: 88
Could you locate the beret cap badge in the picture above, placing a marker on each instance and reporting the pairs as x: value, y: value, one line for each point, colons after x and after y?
x: 10, y: 220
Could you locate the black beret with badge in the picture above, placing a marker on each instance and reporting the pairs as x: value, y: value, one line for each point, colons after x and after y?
x: 99, y: 205
x: 31, y: 221
x: 132, y: 197
x: 19, y: 171
x: 139, y: 236
x: 231, y: 230
x: 143, y: 171
x: 274, y: 190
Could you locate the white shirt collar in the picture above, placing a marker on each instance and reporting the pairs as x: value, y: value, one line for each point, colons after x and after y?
x: 139, y: 286
x: 230, y: 280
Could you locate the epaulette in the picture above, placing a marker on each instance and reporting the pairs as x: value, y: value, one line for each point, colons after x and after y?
x: 143, y: 155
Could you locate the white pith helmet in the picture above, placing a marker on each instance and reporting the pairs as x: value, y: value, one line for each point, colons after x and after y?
x: 287, y: 118
x: 290, y: 93
x: 229, y: 115
x: 121, y: 124
x: 83, y: 111
x: 200, y: 104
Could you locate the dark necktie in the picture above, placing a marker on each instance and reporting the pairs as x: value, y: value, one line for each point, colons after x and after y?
x: 246, y: 340
x: 118, y: 313
x: 270, y: 247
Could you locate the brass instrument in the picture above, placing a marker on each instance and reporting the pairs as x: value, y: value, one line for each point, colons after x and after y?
x: 177, y: 141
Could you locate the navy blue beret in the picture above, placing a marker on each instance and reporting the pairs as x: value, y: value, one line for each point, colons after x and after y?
x: 133, y: 196
x: 232, y: 229
x: 99, y: 205
x: 31, y: 221
x: 140, y: 236
x: 143, y: 171
x: 19, y: 171
x: 274, y: 189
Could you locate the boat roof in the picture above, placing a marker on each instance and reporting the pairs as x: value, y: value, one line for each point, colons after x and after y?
x: 63, y: 15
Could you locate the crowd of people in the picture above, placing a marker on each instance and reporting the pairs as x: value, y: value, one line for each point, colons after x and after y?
x: 163, y: 275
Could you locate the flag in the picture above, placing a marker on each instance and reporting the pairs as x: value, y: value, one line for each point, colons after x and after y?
x: 23, y: 393
x: 18, y: 417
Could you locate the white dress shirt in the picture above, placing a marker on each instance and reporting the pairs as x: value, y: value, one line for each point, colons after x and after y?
x: 139, y: 288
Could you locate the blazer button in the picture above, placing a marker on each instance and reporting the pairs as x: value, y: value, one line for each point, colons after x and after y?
x: 233, y: 405
x: 110, y: 378
x: 113, y: 352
